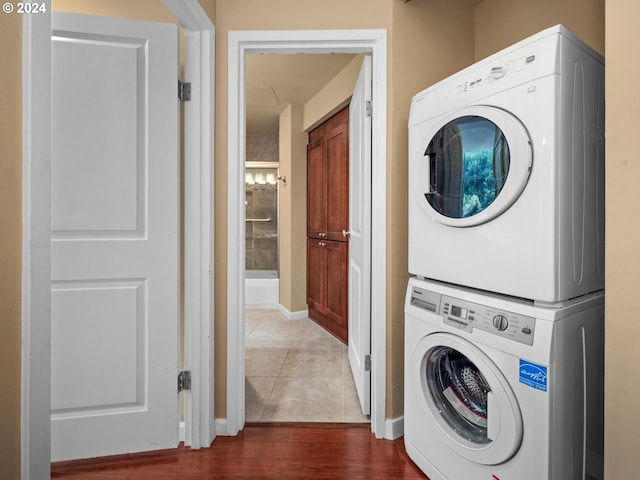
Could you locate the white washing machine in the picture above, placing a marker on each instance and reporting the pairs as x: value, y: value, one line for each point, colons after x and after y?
x: 497, y: 388
x: 506, y: 172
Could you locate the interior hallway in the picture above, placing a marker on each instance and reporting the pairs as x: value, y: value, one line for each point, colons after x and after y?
x: 295, y: 371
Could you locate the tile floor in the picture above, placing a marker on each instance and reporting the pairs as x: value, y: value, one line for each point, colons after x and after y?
x: 296, y: 372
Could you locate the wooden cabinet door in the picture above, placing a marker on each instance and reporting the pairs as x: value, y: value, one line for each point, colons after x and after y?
x: 327, y: 287
x: 328, y: 179
x: 327, y: 223
x: 337, y: 254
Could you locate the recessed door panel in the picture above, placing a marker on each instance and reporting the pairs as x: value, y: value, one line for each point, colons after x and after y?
x: 99, y: 171
x: 337, y: 258
x: 316, y: 190
x: 316, y: 275
x: 109, y: 318
x: 338, y: 182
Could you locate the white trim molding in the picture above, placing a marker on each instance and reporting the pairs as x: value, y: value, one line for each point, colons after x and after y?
x: 36, y: 246
x: 199, y: 34
x: 241, y: 43
x: 394, y: 428
x: 299, y: 315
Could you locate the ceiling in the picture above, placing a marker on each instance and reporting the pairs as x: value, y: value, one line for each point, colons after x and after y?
x: 275, y: 81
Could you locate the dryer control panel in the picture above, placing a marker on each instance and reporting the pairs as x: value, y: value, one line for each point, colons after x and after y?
x: 468, y: 315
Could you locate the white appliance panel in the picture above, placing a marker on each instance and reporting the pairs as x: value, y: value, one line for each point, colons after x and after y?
x: 542, y: 237
x: 556, y: 383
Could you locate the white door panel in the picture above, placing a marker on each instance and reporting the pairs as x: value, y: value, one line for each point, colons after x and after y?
x: 115, y: 250
x: 360, y: 235
x: 114, y: 133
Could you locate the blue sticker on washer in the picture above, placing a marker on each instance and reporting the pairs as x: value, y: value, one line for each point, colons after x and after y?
x: 533, y: 375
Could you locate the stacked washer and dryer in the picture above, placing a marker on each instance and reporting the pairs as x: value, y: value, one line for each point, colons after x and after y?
x: 504, y: 318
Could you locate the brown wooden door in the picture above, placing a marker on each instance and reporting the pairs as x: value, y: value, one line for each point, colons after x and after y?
x: 327, y: 223
x: 327, y: 290
x: 328, y: 179
x: 337, y: 254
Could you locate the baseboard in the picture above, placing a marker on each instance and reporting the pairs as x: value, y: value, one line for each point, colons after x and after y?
x: 394, y: 428
x: 221, y: 427
x: 299, y: 315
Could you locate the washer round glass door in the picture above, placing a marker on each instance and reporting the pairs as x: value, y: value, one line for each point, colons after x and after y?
x: 473, y: 165
x: 469, y: 399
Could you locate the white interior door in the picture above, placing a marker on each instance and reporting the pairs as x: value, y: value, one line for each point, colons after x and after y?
x: 114, y: 240
x: 360, y: 235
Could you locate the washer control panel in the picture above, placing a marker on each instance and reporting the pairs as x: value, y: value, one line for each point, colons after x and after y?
x: 467, y: 315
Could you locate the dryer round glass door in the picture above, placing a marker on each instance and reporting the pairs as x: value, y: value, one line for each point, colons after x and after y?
x: 470, y: 402
x: 472, y: 165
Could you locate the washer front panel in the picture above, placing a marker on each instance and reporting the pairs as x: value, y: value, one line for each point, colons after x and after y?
x: 484, y: 426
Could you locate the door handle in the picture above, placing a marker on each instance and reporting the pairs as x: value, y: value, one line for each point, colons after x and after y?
x: 433, y: 174
x: 493, y: 417
x: 346, y: 233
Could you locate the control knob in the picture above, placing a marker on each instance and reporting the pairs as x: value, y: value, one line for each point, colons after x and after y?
x: 499, y: 71
x: 500, y: 322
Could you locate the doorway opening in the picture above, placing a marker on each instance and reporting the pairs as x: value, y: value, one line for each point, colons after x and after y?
x: 240, y: 44
x: 294, y: 369
x: 262, y: 280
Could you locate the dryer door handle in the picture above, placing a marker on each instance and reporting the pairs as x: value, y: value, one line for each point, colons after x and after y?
x: 493, y: 417
x: 433, y: 174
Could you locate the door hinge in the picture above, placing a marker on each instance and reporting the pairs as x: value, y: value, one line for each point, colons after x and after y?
x: 184, y: 91
x: 369, y: 108
x: 184, y: 380
x: 367, y: 363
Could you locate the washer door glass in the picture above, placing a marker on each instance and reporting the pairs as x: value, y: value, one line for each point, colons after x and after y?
x: 468, y: 165
x: 460, y: 390
x: 472, y: 165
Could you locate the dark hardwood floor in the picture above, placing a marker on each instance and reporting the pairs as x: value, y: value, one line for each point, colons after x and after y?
x: 282, y: 452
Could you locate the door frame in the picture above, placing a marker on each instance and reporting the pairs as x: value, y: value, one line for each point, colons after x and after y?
x: 36, y: 220
x: 241, y: 43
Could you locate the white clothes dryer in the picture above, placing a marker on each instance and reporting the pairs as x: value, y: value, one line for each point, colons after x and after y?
x: 506, y: 172
x: 497, y: 388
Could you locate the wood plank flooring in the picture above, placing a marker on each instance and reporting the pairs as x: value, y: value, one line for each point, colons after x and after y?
x: 265, y: 452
